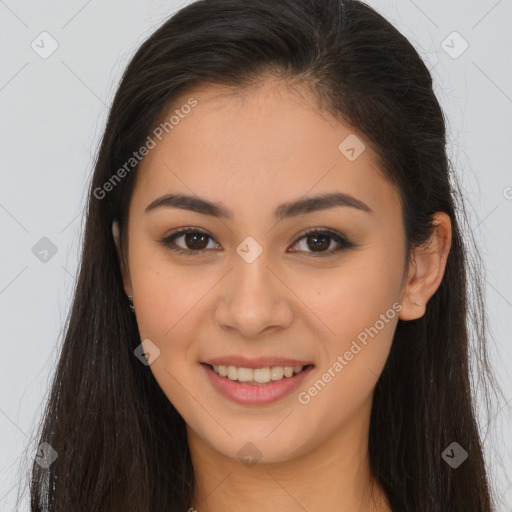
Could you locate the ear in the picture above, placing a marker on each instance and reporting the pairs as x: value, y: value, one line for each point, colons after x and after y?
x: 426, y: 269
x: 124, y: 271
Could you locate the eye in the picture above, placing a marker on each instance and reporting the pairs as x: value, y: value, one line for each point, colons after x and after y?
x: 318, y: 240
x: 192, y: 237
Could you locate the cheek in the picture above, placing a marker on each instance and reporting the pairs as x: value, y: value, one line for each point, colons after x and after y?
x: 361, y: 313
x: 168, y: 301
x: 354, y: 309
x: 353, y: 294
x: 162, y: 294
x: 171, y: 305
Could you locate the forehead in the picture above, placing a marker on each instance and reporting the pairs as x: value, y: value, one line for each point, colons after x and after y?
x: 251, y: 146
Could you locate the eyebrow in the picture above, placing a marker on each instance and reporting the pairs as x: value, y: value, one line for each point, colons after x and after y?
x: 284, y: 211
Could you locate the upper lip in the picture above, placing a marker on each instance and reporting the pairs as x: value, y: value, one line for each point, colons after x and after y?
x: 256, y: 362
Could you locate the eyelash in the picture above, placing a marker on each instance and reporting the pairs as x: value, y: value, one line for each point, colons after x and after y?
x: 337, y: 237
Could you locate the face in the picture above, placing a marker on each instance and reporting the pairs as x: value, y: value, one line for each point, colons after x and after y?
x: 262, y: 274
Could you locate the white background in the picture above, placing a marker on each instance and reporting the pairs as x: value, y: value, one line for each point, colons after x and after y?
x: 53, y: 111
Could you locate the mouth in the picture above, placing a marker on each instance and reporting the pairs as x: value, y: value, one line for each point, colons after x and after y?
x: 258, y: 385
x: 263, y: 376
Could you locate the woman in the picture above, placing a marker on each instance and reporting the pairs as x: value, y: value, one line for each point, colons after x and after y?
x: 272, y: 300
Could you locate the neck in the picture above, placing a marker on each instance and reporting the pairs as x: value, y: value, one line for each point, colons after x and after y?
x: 332, y: 476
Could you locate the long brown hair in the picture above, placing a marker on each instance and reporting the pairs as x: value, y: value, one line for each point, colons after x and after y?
x: 121, y: 444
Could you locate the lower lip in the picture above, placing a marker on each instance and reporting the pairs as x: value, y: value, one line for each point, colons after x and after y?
x: 248, y: 394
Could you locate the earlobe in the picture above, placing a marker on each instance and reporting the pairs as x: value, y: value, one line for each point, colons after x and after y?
x: 427, y: 269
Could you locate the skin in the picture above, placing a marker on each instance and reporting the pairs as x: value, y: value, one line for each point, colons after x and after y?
x: 251, y: 151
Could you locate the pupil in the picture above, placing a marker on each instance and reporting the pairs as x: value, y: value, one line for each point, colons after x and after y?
x: 316, y: 244
x: 190, y: 239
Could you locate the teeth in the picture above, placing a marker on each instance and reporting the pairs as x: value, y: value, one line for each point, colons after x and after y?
x: 257, y: 375
x: 277, y: 372
x: 245, y: 374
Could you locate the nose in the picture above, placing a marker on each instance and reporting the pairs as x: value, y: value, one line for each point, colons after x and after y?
x: 254, y: 299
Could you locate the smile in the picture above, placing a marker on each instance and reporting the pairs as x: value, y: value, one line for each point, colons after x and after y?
x: 277, y: 382
x: 257, y: 376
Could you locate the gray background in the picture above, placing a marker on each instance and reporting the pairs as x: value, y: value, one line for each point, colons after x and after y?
x: 53, y: 111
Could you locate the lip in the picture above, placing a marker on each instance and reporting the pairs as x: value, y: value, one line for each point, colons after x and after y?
x: 248, y: 394
x: 256, y: 362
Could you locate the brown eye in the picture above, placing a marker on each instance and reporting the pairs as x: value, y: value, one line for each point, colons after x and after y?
x: 194, y: 241
x: 319, y: 241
